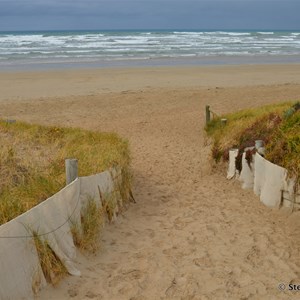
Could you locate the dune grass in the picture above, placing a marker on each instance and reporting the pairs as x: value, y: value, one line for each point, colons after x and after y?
x: 277, y: 125
x: 32, y: 162
x: 51, y: 265
x: 87, y: 236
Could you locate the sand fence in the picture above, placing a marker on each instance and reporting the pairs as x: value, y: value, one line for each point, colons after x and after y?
x: 21, y: 274
x: 269, y: 181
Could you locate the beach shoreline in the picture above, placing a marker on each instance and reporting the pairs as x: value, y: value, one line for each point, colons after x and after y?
x: 60, y: 83
x: 198, y: 61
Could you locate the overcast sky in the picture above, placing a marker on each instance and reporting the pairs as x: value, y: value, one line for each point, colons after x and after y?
x: 149, y: 14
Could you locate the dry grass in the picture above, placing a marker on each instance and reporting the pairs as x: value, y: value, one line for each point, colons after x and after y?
x: 87, y: 236
x: 277, y: 125
x: 232, y: 134
x: 52, y: 267
x: 284, y: 145
x: 32, y: 162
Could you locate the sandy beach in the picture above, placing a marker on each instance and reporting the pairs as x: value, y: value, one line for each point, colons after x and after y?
x: 192, y: 234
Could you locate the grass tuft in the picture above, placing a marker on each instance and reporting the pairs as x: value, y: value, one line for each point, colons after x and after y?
x: 87, y: 237
x: 52, y: 267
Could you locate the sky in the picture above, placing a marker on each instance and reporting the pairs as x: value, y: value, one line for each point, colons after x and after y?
x: 149, y: 14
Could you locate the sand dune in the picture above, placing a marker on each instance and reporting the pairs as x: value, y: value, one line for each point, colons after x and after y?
x: 192, y: 234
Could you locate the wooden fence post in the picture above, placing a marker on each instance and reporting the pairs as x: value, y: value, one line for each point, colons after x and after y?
x: 71, y: 169
x: 224, y: 122
x: 207, y: 113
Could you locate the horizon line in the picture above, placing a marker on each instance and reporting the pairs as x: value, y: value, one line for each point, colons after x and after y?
x: 148, y: 29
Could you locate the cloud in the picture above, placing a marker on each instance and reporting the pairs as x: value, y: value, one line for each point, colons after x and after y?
x: 118, y: 14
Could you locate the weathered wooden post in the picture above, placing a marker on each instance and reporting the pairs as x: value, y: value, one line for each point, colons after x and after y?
x: 207, y: 113
x: 259, y: 144
x: 71, y: 169
x: 224, y: 122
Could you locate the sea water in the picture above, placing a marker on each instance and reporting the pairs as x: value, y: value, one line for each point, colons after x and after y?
x: 113, y: 48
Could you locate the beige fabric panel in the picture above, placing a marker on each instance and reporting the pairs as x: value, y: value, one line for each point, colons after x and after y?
x: 20, y: 272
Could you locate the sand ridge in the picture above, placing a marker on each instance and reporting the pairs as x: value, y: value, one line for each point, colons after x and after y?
x: 192, y: 234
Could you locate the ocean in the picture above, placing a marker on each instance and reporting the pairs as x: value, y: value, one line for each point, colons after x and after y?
x: 60, y: 49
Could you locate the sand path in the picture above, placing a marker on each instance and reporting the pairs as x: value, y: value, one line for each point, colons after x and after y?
x: 192, y: 234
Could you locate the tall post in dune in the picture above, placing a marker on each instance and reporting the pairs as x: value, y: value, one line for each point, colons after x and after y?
x: 71, y: 169
x: 223, y: 122
x: 207, y: 113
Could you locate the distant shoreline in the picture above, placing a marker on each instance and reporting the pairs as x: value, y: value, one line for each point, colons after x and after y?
x: 155, y: 62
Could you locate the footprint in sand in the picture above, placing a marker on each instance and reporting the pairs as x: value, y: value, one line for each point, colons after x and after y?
x: 165, y: 199
x: 151, y: 233
x: 91, y: 295
x: 72, y: 292
x: 179, y: 224
x: 183, y: 287
x: 212, y: 228
x: 192, y: 241
x: 170, y: 251
x: 204, y: 261
x: 133, y: 274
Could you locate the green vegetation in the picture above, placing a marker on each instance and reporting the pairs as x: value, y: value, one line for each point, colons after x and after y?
x: 87, y: 236
x: 32, y: 159
x: 277, y: 125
